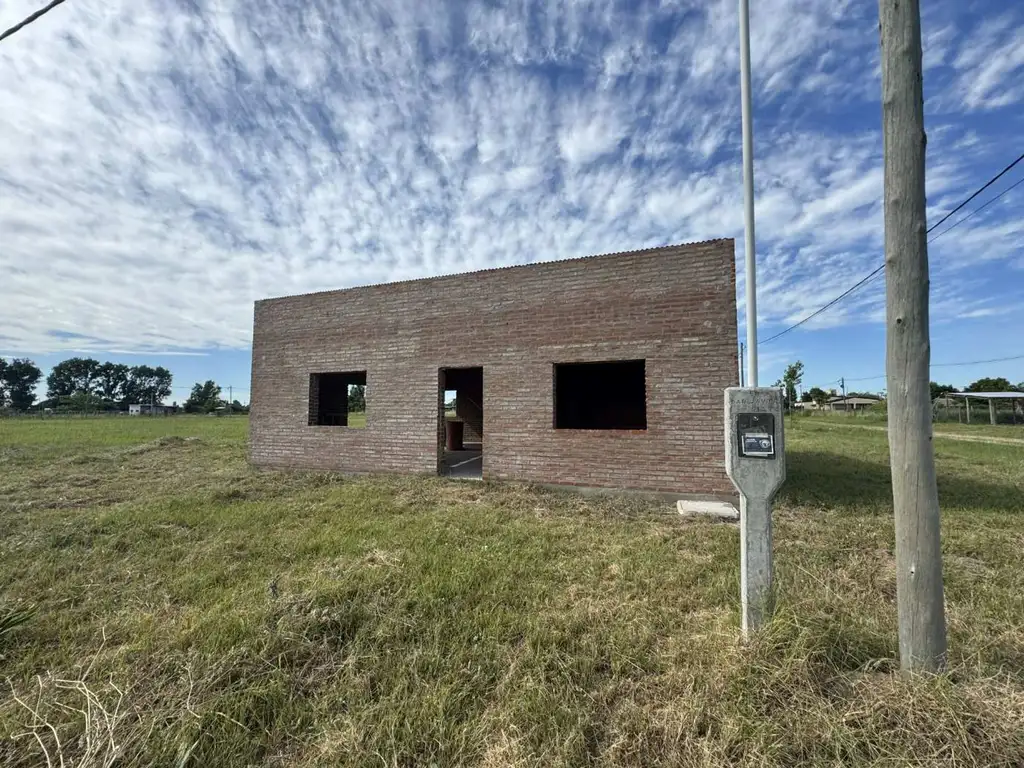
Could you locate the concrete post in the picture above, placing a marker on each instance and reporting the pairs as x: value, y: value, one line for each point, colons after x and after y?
x: 756, y: 602
x: 967, y: 403
x: 992, y: 411
x: 755, y: 461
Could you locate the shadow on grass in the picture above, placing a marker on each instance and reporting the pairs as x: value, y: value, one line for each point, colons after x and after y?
x: 818, y: 478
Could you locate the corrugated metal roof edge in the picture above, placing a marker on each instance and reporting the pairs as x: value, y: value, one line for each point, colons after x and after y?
x: 988, y: 395
x: 506, y: 268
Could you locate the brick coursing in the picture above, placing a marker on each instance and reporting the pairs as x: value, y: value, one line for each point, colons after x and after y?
x: 675, y: 307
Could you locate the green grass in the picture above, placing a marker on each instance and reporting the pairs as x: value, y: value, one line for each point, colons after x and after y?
x: 979, y: 425
x: 985, y: 429
x: 194, y: 612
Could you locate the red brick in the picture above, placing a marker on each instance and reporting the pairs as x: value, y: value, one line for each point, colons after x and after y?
x: 675, y: 307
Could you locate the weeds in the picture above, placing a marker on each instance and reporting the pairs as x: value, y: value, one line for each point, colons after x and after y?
x: 233, y: 618
x: 11, y: 619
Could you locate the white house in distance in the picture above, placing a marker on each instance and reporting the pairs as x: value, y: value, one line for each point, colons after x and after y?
x: 840, y: 403
x: 852, y: 403
x: 145, y: 409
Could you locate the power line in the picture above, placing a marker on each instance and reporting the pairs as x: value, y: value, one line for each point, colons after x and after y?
x: 979, y: 362
x: 948, y: 365
x: 981, y: 189
x: 29, y: 19
x: 958, y: 222
x: 868, y: 378
x: 881, y: 267
x: 832, y: 303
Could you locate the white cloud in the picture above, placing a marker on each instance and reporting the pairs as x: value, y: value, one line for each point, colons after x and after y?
x: 163, y: 166
x: 990, y: 64
x: 588, y: 138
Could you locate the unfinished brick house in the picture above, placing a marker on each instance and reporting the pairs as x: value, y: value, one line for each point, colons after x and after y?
x: 605, y: 371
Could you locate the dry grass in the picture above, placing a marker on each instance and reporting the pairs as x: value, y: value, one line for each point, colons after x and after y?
x: 191, y: 612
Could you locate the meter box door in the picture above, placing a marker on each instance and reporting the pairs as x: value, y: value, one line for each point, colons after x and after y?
x: 755, y: 435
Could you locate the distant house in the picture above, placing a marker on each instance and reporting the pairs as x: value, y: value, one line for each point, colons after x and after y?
x: 145, y: 409
x: 853, y: 402
x: 807, y: 405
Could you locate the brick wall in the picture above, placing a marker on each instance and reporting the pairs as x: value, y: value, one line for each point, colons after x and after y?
x: 469, y: 410
x: 472, y: 417
x: 674, y: 307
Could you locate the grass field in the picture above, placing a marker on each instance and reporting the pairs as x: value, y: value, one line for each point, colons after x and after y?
x: 979, y: 425
x: 192, y: 612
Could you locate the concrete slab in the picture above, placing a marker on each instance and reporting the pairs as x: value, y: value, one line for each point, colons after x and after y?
x: 463, y: 465
x: 717, y: 509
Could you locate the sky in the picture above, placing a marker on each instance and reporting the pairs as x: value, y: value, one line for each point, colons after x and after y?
x: 164, y: 164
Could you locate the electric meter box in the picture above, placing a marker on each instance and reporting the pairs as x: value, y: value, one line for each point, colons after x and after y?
x: 756, y: 435
x: 755, y: 450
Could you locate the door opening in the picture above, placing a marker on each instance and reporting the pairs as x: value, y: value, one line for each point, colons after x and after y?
x: 460, y: 432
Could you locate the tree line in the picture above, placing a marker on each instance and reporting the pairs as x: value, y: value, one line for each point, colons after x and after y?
x: 987, y: 384
x: 82, y: 384
x: 794, y: 373
x: 87, y: 384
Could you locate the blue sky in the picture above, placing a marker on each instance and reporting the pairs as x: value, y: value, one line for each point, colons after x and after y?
x: 165, y: 164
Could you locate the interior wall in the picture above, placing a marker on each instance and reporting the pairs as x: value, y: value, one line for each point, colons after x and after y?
x: 469, y: 398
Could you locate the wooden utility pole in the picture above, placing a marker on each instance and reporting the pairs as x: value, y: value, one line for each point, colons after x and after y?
x: 919, y: 594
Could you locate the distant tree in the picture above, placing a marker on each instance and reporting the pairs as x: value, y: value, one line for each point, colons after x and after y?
x: 938, y: 390
x: 20, y: 377
x: 73, y: 376
x: 818, y: 395
x: 790, y: 380
x: 162, y: 383
x: 3, y: 382
x: 147, y: 385
x: 806, y: 397
x: 204, y: 397
x: 131, y: 389
x: 357, y: 397
x: 111, y: 381
x: 991, y: 385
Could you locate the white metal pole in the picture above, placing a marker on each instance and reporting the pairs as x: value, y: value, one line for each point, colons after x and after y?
x: 748, y: 192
